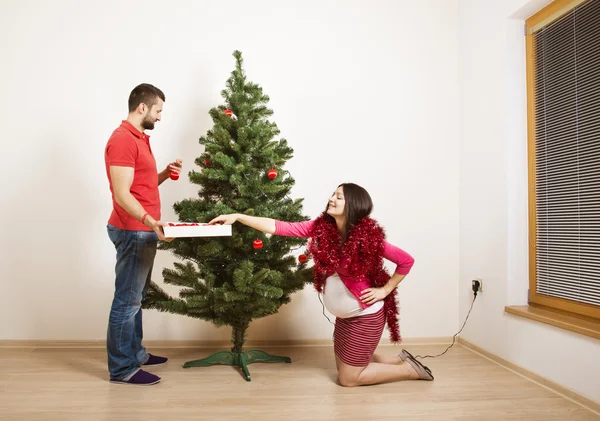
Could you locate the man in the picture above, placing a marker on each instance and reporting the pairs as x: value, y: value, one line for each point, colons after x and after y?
x: 135, y: 228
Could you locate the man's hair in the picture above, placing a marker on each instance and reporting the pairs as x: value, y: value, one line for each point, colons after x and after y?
x: 144, y: 93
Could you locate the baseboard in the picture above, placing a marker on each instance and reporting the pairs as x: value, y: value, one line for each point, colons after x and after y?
x: 548, y: 384
x: 197, y: 343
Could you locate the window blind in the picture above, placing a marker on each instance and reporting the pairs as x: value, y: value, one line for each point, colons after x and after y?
x: 567, y: 160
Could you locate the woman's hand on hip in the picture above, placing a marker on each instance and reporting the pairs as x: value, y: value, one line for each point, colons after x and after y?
x: 370, y: 296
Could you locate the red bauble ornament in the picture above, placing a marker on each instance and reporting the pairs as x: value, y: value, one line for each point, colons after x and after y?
x: 174, y: 175
x: 184, y: 224
x: 207, y: 162
x: 272, y: 173
x: 229, y: 113
x: 257, y: 244
x: 302, y: 258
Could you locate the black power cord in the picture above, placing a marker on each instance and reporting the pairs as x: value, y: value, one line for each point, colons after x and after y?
x: 319, y: 295
x: 476, y: 285
x: 475, y: 289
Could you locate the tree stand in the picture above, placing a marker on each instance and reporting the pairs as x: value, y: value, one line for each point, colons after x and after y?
x: 239, y: 359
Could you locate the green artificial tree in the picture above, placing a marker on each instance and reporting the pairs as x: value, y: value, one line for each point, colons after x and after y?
x: 227, y: 280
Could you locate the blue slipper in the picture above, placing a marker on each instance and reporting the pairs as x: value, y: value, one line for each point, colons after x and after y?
x: 141, y: 378
x: 154, y: 360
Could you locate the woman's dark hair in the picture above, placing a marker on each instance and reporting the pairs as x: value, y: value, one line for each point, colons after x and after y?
x: 358, y: 205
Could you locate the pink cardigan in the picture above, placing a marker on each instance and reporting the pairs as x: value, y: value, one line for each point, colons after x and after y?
x: 355, y: 285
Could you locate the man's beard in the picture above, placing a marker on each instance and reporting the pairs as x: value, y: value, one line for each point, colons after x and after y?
x: 147, y: 124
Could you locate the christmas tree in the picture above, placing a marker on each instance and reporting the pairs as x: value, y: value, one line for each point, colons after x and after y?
x: 233, y: 280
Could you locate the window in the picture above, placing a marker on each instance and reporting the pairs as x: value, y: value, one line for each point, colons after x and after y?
x: 563, y: 84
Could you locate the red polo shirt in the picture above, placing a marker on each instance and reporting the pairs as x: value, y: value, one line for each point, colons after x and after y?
x: 128, y: 147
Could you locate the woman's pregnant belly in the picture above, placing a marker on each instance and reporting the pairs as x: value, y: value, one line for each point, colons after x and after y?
x: 341, y: 303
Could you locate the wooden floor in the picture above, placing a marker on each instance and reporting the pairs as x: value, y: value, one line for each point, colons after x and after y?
x: 71, y: 384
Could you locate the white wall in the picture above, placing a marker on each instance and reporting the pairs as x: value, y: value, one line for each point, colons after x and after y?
x: 493, y: 199
x: 364, y: 92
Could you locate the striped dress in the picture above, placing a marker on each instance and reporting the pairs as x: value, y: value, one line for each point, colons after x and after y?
x: 355, y: 338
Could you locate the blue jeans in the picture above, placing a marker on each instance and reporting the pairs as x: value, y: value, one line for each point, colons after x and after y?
x: 135, y: 257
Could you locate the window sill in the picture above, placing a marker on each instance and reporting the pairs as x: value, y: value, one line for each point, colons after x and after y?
x: 568, y: 321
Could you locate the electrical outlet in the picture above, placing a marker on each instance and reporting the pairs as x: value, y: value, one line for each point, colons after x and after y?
x: 480, y: 284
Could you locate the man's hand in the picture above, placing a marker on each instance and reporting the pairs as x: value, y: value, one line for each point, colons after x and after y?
x: 157, y: 228
x: 174, y: 166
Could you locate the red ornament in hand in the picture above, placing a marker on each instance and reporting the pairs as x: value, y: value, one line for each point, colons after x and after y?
x: 257, y: 244
x: 302, y: 258
x: 272, y: 173
x: 229, y: 113
x: 174, y: 175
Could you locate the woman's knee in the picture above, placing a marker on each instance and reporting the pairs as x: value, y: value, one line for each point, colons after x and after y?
x: 347, y: 380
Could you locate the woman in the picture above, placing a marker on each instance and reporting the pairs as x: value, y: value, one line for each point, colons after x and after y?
x: 348, y: 248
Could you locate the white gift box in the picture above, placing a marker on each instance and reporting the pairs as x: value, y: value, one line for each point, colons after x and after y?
x: 183, y: 229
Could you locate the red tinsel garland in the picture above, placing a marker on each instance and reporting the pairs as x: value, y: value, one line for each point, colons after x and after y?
x: 364, y: 250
